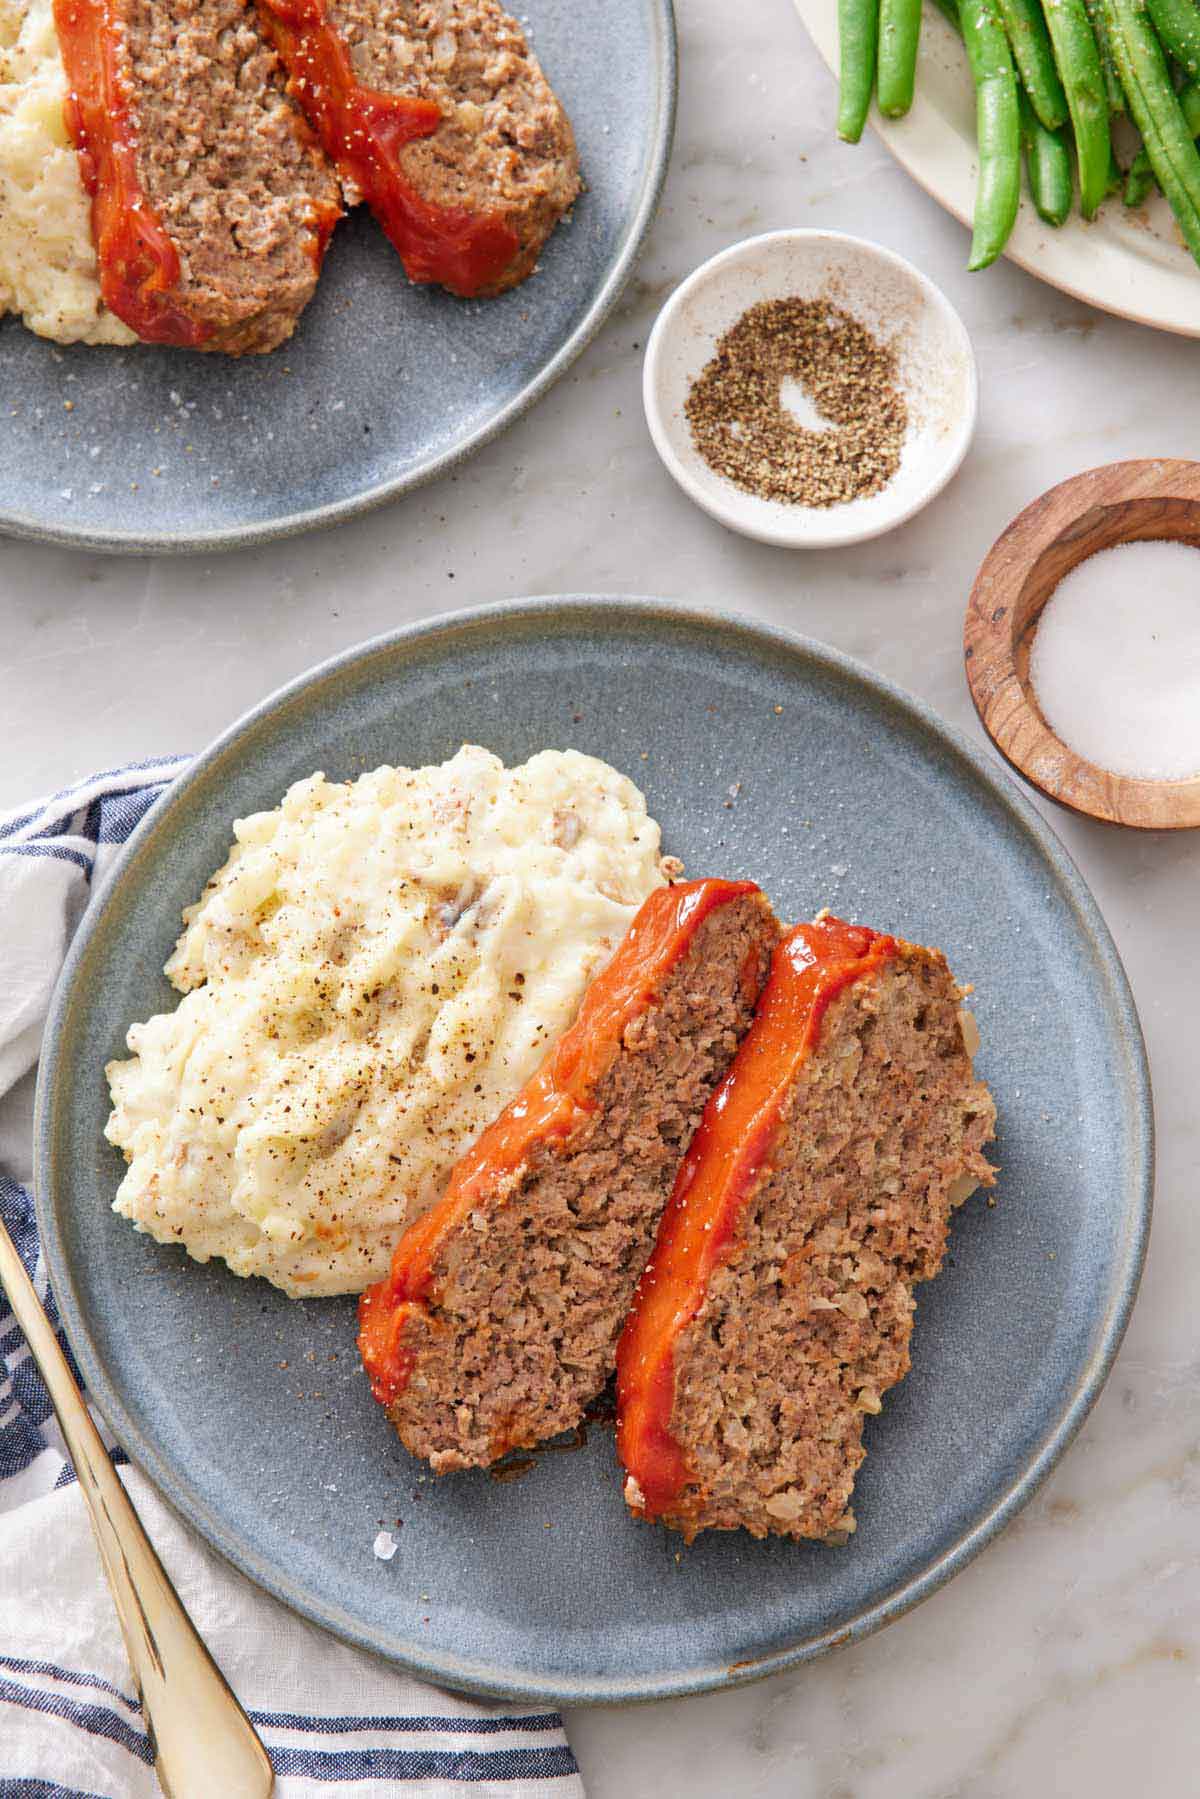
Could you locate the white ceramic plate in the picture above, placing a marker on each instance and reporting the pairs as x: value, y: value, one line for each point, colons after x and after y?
x: 1130, y: 263
x: 893, y: 300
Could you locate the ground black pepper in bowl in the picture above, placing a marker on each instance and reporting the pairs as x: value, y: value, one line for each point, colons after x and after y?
x: 744, y: 432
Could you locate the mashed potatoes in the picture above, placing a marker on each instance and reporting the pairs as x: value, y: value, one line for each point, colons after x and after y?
x: 47, y: 261
x: 372, y: 975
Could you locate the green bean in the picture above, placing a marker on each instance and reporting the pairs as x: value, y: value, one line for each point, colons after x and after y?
x: 1140, y: 179
x: 950, y: 11
x: 1047, y: 158
x: 1177, y: 23
x: 1083, y: 78
x: 858, y: 32
x: 1189, y: 105
x: 1112, y: 81
x: 1047, y: 164
x: 1026, y: 28
x: 997, y: 129
x: 1157, y: 113
x: 899, y: 32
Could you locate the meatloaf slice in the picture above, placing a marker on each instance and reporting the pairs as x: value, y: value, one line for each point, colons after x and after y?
x: 437, y: 113
x: 211, y: 201
x: 777, y: 1307
x: 499, y: 1319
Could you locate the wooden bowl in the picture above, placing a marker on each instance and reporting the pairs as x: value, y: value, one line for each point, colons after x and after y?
x: 1092, y: 511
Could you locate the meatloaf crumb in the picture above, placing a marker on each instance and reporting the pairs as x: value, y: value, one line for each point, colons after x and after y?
x: 229, y: 167
x: 805, y: 1323
x: 504, y: 148
x: 529, y: 1293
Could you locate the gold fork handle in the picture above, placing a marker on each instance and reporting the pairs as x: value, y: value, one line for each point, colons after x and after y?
x: 203, y: 1741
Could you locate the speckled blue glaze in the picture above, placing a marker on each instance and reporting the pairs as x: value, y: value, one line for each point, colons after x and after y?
x: 249, y: 1410
x: 383, y: 385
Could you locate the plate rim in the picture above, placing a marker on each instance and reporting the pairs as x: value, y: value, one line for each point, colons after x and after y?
x: 1040, y: 250
x: 1079, y: 1395
x: 316, y: 518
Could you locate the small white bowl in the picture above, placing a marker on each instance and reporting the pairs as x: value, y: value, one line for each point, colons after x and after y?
x: 888, y: 296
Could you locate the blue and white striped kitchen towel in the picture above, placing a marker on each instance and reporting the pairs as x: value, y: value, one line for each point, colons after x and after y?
x: 331, y: 1717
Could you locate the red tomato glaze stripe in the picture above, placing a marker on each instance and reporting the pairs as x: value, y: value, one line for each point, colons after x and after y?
x: 138, y: 263
x: 728, y: 1156
x: 557, y: 1099
x: 364, y: 132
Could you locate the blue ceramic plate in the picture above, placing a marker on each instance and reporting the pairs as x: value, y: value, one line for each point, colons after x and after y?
x: 249, y: 1409
x: 383, y: 386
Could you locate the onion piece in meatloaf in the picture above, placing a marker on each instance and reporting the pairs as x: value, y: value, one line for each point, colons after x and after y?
x: 499, y: 1320
x: 437, y: 114
x: 777, y: 1306
x: 212, y: 203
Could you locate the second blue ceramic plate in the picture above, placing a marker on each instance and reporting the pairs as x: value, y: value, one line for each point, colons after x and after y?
x: 383, y: 386
x: 762, y: 755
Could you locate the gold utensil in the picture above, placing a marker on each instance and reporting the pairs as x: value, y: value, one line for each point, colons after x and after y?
x: 203, y: 1742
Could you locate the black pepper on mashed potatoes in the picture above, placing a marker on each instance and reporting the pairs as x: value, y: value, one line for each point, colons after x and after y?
x: 376, y: 970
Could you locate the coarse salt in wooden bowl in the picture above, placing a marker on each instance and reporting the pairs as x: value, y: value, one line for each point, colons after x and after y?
x: 1097, y: 510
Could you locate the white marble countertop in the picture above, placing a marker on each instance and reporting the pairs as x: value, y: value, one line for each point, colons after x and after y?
x: 1065, y: 1660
